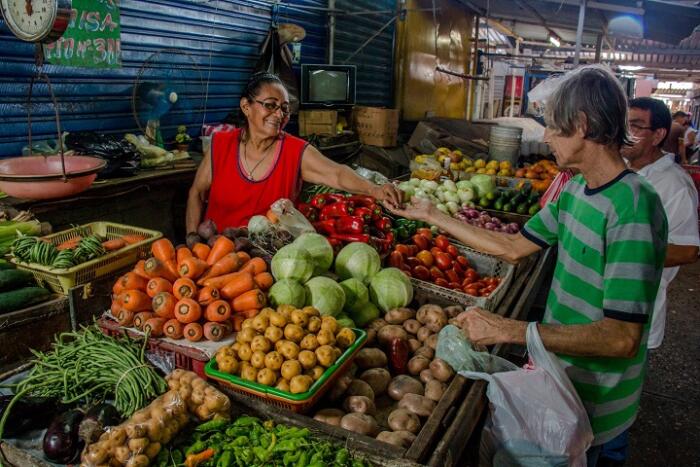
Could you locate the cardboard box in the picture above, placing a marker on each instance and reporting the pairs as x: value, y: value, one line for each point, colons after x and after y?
x: 377, y: 126
x: 318, y: 122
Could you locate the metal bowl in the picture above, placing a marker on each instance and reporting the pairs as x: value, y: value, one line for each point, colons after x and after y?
x: 39, y: 177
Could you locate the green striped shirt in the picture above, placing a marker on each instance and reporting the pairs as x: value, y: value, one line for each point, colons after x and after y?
x: 611, y: 249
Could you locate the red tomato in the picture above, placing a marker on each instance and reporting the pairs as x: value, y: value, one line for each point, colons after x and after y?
x: 435, y: 250
x: 464, y: 262
x: 396, y: 259
x: 435, y: 273
x: 421, y: 242
x: 414, y: 250
x: 486, y: 294
x: 427, y: 233
x: 478, y: 284
x: 421, y: 272
x: 412, y: 262
x: 407, y: 269
x: 452, y: 251
x: 471, y: 291
x: 452, y: 275
x: 442, y: 242
x: 490, y: 288
x: 467, y: 283
x: 442, y: 283
x: 403, y: 249
x: 425, y: 257
x: 471, y: 274
x: 458, y: 268
x: 455, y: 286
x: 443, y: 261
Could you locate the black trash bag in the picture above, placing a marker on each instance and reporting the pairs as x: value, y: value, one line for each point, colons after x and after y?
x: 122, y: 158
x: 276, y: 58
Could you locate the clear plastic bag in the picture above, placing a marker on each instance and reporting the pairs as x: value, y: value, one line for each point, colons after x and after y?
x: 290, y: 219
x: 457, y: 351
x: 539, y: 95
x: 536, y: 417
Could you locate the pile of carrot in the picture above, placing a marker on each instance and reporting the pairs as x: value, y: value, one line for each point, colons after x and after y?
x: 198, y: 293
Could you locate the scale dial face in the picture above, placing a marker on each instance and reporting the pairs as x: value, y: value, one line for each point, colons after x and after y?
x: 36, y: 20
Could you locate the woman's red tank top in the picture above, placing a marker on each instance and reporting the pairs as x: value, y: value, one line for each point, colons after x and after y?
x: 233, y: 197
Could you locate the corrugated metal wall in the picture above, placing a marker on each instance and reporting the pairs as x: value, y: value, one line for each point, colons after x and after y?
x: 375, y: 62
x: 228, y: 31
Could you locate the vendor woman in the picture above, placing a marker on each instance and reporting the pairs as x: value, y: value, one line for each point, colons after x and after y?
x: 250, y: 168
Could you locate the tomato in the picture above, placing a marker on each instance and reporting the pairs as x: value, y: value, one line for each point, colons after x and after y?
x: 467, y: 282
x: 443, y: 261
x: 427, y: 233
x: 403, y: 249
x: 464, y: 262
x: 490, y: 288
x: 455, y: 286
x: 435, y: 250
x: 486, y: 294
x: 452, y: 251
x: 452, y: 275
x: 471, y: 274
x: 442, y: 242
x: 471, y: 291
x: 413, y: 249
x: 458, y: 269
x: 425, y: 257
x: 421, y: 272
x: 412, y: 262
x: 396, y: 259
x: 478, y: 284
x: 421, y: 242
x: 435, y: 273
x: 407, y: 270
x: 442, y: 283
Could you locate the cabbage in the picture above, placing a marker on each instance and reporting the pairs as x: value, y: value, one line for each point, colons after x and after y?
x: 451, y: 197
x: 465, y: 195
x: 414, y: 181
x: 358, y: 260
x: 364, y: 314
x: 442, y: 208
x: 464, y: 185
x: 326, y: 295
x: 356, y: 293
x: 287, y: 292
x: 344, y: 321
x: 483, y: 184
x: 320, y: 250
x: 449, y: 185
x: 390, y: 288
x: 292, y: 262
x: 452, y: 207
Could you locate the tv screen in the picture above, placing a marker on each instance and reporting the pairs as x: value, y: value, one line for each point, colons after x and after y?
x: 327, y: 86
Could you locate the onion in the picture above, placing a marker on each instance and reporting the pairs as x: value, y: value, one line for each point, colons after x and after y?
x: 514, y: 227
x: 490, y: 226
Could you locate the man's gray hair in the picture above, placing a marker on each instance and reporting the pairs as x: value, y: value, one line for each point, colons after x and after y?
x: 595, y: 92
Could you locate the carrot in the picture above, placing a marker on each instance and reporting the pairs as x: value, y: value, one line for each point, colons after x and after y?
x: 214, y: 331
x: 130, y: 239
x: 226, y: 265
x: 164, y: 304
x: 141, y: 318
x: 115, y: 307
x: 240, y: 284
x: 173, y: 329
x: 219, y: 282
x: 255, y: 266
x: 135, y: 300
x: 124, y: 317
x: 171, y: 266
x: 157, y: 285
x: 193, y: 332
x: 201, y: 251
x: 118, y: 288
x: 207, y: 295
x: 184, y: 288
x: 192, y: 268
x: 272, y: 217
x: 157, y: 268
x: 264, y: 280
x: 114, y: 244
x: 140, y: 269
x: 187, y: 311
x: 182, y: 253
x: 132, y: 281
x: 252, y: 299
x: 154, y: 326
x: 163, y: 249
x: 238, y: 319
x: 252, y: 313
x: 243, y: 256
x: 218, y: 311
x: 222, y: 247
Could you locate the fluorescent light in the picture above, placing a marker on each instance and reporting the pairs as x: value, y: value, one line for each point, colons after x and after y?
x: 631, y: 67
x: 554, y: 40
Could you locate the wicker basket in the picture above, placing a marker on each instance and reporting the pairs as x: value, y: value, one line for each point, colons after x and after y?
x: 62, y: 280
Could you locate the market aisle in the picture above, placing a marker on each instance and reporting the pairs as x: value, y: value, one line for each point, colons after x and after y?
x: 667, y: 432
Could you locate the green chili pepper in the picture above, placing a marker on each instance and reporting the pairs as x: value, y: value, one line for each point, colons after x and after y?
x: 342, y: 456
x: 212, y: 425
x: 247, y: 421
x: 225, y: 460
x: 302, y: 461
x: 198, y: 446
x: 291, y: 457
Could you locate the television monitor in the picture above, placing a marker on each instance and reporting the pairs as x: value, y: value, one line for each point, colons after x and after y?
x: 328, y: 86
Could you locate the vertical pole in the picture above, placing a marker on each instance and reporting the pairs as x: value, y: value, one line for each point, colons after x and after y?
x: 331, y: 31
x: 513, y: 80
x: 492, y: 81
x: 579, y: 31
x: 598, y: 47
x: 472, y: 70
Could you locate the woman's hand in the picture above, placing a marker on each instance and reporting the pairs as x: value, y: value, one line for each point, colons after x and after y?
x: 388, y: 195
x: 418, y: 209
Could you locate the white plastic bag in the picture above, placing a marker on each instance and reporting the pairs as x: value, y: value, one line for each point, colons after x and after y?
x: 536, y: 418
x: 539, y: 95
x: 290, y: 219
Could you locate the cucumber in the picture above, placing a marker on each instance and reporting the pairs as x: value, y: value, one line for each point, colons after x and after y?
x: 22, y: 298
x: 11, y: 279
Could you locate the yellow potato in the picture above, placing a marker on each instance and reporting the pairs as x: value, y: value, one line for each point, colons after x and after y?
x: 248, y: 373
x: 311, y: 311
x: 300, y: 383
x: 293, y: 332
x: 245, y: 352
x: 329, y: 323
x: 314, y: 324
x: 247, y: 323
x: 286, y: 311
x: 266, y: 312
x: 290, y: 369
x: 276, y: 319
x: 300, y: 318
x: 315, y: 372
x: 289, y: 350
x: 325, y: 337
x: 258, y: 359
x: 260, y: 323
x: 273, y: 334
x: 309, y: 342
x: 307, y: 359
x: 283, y: 385
x: 325, y: 355
x: 274, y: 360
x: 345, y: 338
x: 246, y: 335
x: 267, y: 377
x: 260, y: 344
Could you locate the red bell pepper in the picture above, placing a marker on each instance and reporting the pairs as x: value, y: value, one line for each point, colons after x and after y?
x: 363, y: 200
x: 350, y: 225
x: 335, y: 198
x: 364, y: 238
x: 308, y: 211
x: 325, y: 227
x: 363, y: 212
x: 384, y: 243
x: 376, y: 211
x: 318, y: 201
x: 383, y: 224
x: 339, y: 209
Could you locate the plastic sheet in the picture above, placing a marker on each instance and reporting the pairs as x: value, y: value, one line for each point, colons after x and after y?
x: 122, y: 158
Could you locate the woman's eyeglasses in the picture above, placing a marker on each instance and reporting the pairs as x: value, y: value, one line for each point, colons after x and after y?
x: 274, y: 107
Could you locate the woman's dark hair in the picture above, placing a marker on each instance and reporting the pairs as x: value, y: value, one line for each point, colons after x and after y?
x: 659, y: 115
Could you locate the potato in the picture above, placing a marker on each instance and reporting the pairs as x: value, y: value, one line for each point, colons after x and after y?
x: 234, y: 347
x: 422, y: 314
x: 371, y: 358
x: 371, y: 337
x: 423, y: 334
x: 286, y: 311
x: 378, y: 379
x: 441, y: 370
x: 307, y: 359
x: 403, y: 420
x: 402, y: 385
x: 244, y: 352
x: 416, y: 404
x: 390, y: 332
x: 261, y: 344
x: 277, y: 320
x: 432, y: 341
x: 274, y: 360
x: 345, y: 338
x: 266, y: 311
x: 453, y: 311
x: 325, y: 355
x: 434, y: 390
x: 260, y: 323
x: 417, y: 364
x: 412, y: 326
x: 426, y: 352
x: 289, y: 350
x: 325, y: 337
x: 329, y: 416
x: 360, y: 388
x: 293, y: 332
x: 257, y: 360
x: 360, y: 423
x: 402, y: 439
x: 314, y: 324
x: 311, y: 311
x: 274, y: 334
x: 300, y: 318
x: 315, y: 372
x: 377, y: 324
x: 247, y: 323
x: 248, y: 372
x: 267, y: 377
x: 329, y: 323
x: 399, y: 315
x: 413, y: 345
x: 359, y: 404
x: 290, y: 369
x: 436, y: 320
x: 246, y: 335
x: 300, y: 383
x: 426, y: 375
x: 283, y: 385
x: 339, y: 387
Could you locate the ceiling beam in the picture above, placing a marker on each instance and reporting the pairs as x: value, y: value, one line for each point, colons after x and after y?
x: 533, y: 10
x: 602, y: 6
x: 550, y: 23
x: 503, y: 29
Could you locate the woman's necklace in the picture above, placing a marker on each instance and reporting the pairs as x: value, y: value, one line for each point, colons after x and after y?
x: 245, y: 158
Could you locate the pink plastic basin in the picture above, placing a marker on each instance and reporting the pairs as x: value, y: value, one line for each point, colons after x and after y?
x: 39, y: 177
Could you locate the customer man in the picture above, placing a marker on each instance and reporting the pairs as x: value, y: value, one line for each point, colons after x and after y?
x: 610, y: 230
x: 676, y: 134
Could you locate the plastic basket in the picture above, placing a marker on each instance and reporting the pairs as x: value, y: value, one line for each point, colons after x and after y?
x: 62, y: 280
x: 485, y: 265
x: 295, y: 402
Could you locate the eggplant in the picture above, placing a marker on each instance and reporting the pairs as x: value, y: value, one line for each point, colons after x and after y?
x: 61, y: 442
x: 96, y: 420
x: 28, y: 413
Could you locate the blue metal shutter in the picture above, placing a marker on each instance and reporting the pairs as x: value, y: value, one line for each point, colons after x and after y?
x: 100, y: 100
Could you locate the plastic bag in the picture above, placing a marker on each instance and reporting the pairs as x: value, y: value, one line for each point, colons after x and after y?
x: 122, y: 158
x: 539, y: 95
x: 536, y: 417
x: 290, y: 219
x: 372, y: 175
x: 454, y: 348
x: 556, y: 187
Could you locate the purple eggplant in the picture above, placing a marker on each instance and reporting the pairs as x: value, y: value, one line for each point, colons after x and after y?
x: 62, y: 443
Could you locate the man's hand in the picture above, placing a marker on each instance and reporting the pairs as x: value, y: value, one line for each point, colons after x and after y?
x: 417, y: 209
x: 484, y: 328
x: 388, y: 195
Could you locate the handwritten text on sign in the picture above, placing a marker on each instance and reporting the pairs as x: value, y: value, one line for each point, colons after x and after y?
x: 92, y: 38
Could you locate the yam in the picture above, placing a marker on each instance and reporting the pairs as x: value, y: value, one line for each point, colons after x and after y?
x: 360, y: 423
x: 412, y: 326
x: 425, y: 310
x: 359, y: 404
x: 426, y: 376
x: 434, y: 390
x: 417, y: 404
x: 432, y: 341
x: 426, y: 352
x: 390, y: 332
x: 371, y: 358
x: 418, y: 364
x: 453, y: 311
x: 414, y: 344
x: 378, y: 379
x: 403, y: 420
x: 423, y: 334
x: 441, y: 370
x: 339, y: 387
x: 358, y: 387
x: 399, y: 315
x: 402, y: 385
